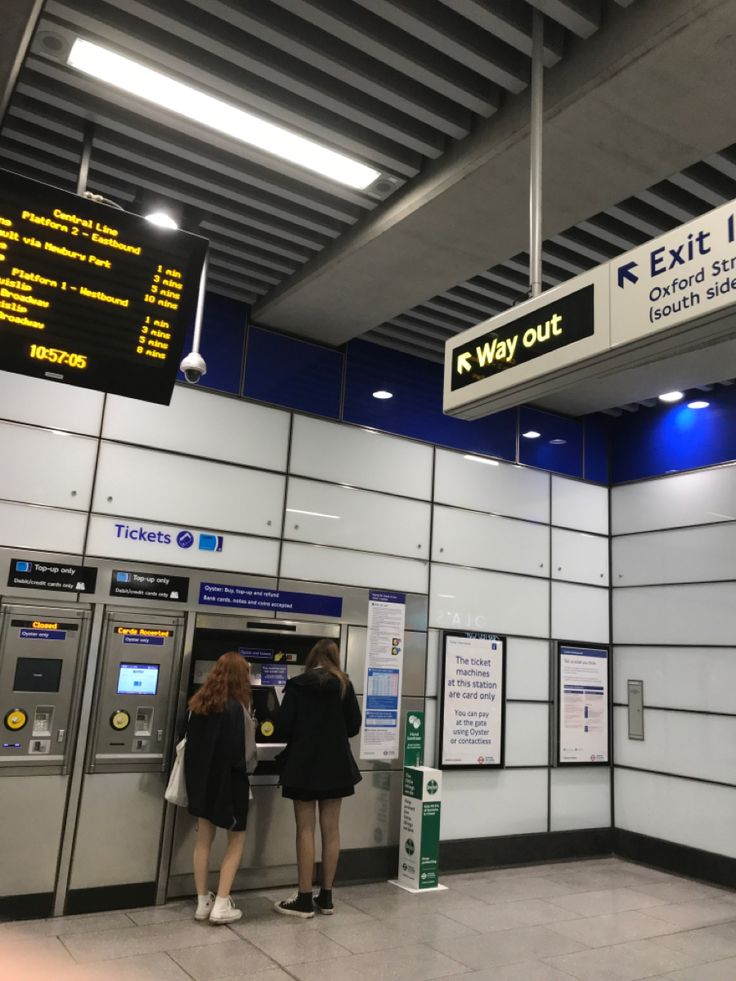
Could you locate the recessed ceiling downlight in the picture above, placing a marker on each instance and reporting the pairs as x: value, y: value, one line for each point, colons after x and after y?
x: 698, y: 404
x: 671, y: 397
x: 383, y: 394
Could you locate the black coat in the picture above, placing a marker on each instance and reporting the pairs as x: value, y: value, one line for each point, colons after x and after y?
x: 214, y: 768
x: 316, y: 723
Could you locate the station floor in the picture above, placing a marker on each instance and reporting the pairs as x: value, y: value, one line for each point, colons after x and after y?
x: 599, y: 920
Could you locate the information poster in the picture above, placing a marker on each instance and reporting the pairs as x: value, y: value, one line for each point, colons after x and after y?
x: 473, y: 700
x: 384, y: 659
x: 582, y: 706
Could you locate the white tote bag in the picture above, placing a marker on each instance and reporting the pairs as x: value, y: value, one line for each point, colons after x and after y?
x: 176, y: 790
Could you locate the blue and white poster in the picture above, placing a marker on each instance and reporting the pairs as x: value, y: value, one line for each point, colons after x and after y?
x: 583, y: 704
x: 384, y: 661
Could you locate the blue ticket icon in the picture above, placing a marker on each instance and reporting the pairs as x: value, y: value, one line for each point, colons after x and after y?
x: 210, y: 543
x: 23, y: 566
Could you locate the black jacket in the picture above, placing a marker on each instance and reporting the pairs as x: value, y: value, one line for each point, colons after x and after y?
x: 316, y: 723
x: 214, y: 767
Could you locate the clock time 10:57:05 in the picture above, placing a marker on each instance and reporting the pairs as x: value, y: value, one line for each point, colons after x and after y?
x: 55, y: 356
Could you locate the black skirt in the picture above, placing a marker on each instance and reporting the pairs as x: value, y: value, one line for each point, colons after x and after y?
x: 296, y: 793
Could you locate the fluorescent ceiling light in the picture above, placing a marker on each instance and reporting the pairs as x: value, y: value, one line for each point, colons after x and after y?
x: 671, y: 397
x: 698, y: 405
x: 314, y: 514
x: 381, y: 394
x: 480, y: 459
x: 161, y: 219
x: 155, y: 87
x: 531, y: 434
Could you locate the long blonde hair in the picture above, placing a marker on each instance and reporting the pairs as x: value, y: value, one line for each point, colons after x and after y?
x: 229, y: 679
x: 326, y: 655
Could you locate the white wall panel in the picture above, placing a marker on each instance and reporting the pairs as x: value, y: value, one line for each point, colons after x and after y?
x: 483, y: 803
x: 165, y: 487
x: 433, y: 673
x: 581, y: 798
x: 203, y: 424
x: 527, y: 668
x: 504, y: 488
x: 527, y: 734
x: 48, y: 529
x: 489, y: 542
x: 695, y: 814
x: 44, y: 403
x: 361, y: 457
x: 579, y: 505
x: 42, y: 466
x: 327, y: 514
x: 431, y: 733
x: 475, y: 600
x: 339, y: 565
x: 579, y: 613
x: 687, y: 555
x: 671, y: 502
x: 700, y: 678
x: 690, y: 615
x: 679, y: 742
x: 240, y: 553
x: 580, y: 557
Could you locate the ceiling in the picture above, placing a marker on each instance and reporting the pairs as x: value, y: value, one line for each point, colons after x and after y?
x: 434, y: 94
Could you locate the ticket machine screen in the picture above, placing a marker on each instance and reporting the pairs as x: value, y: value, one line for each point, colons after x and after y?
x: 138, y: 679
x: 37, y: 674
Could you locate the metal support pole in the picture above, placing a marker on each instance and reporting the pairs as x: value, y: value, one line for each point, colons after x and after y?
x: 89, y: 134
x: 200, y: 307
x: 535, y: 164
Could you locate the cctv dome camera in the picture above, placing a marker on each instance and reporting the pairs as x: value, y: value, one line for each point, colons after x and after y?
x: 193, y: 367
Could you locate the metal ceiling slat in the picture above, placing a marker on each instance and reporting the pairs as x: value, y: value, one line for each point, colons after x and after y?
x: 665, y: 204
x: 713, y: 179
x: 511, y: 22
x: 264, y: 97
x: 635, y: 214
x: 161, y: 36
x: 233, y: 263
x: 699, y: 190
x: 271, y: 246
x: 397, y: 49
x: 624, y: 237
x: 582, y: 17
x: 406, y: 322
x: 445, y: 307
x: 578, y: 240
x: 396, y: 345
x: 300, y: 38
x: 447, y: 32
x: 482, y: 308
x: 436, y: 319
x: 390, y: 332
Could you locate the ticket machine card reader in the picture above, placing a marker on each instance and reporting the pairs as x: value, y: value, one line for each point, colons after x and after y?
x: 41, y: 655
x: 134, y: 699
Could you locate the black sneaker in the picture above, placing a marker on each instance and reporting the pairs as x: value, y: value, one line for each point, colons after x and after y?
x: 299, y: 905
x: 323, y: 903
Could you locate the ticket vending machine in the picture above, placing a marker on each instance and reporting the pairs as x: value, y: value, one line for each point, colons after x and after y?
x: 276, y: 650
x: 120, y: 822
x: 42, y: 657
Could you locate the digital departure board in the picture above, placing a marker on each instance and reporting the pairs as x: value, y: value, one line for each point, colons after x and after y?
x: 91, y: 295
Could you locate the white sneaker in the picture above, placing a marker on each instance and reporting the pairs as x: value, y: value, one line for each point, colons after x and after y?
x: 225, y: 911
x: 204, y: 906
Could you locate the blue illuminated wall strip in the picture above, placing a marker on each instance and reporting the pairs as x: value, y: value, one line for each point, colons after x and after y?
x: 291, y: 373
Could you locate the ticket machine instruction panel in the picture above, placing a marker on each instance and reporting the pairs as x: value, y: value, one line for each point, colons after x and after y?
x: 134, y: 709
x: 41, y: 655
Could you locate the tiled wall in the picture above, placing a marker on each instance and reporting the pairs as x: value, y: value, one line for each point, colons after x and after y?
x: 674, y: 627
x: 491, y: 545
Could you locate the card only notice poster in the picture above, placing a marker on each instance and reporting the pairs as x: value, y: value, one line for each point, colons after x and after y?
x: 472, y: 709
x: 582, y: 704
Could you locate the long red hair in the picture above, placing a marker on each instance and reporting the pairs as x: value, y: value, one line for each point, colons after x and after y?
x: 228, y: 680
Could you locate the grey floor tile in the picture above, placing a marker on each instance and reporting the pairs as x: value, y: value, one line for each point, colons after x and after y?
x: 229, y: 959
x: 622, y: 962
x: 507, y: 946
x: 379, y: 935
x: 508, y: 890
x: 717, y: 971
x: 612, y: 928
x: 179, y: 910
x: 683, y: 891
x: 412, y: 963
x: 521, y: 971
x: 290, y: 946
x: 605, y: 901
x: 112, y: 944
x: 143, y: 967
x: 707, y: 944
x: 505, y: 916
x: 697, y: 913
x: 67, y: 925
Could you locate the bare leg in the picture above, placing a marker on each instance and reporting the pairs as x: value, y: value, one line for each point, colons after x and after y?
x: 329, y: 826
x: 202, y: 847
x: 230, y: 862
x: 305, y: 823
